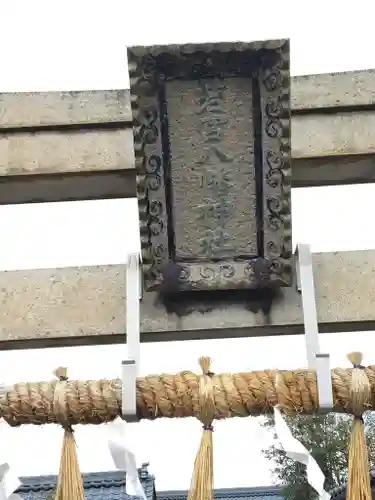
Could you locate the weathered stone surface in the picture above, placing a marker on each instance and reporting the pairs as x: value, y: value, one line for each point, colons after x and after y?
x: 212, y: 173
x: 351, y: 133
x: 86, y: 305
x: 315, y: 136
x: 59, y: 152
x: 102, y: 150
x: 333, y: 170
x: 212, y: 139
x: 333, y: 90
x: 67, y: 187
x: 323, y: 171
x: 30, y: 109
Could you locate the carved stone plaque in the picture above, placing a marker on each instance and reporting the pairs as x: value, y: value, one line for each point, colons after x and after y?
x: 212, y: 150
x: 212, y: 154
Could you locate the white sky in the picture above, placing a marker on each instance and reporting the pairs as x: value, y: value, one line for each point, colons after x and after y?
x: 55, y: 45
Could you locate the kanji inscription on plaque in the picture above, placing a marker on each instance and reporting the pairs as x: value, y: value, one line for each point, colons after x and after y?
x: 212, y: 152
x: 213, y: 163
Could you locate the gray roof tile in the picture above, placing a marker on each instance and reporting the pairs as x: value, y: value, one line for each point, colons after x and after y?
x: 98, y: 485
x: 111, y: 486
x: 255, y: 493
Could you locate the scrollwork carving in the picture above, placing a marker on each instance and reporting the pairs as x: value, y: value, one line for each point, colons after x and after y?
x: 148, y: 162
x: 156, y: 211
x: 153, y: 168
x: 149, y: 131
x: 156, y: 226
x: 185, y: 274
x: 223, y: 271
x: 272, y: 79
x: 156, y: 208
x: 227, y: 271
x: 274, y: 108
x: 153, y: 182
x: 207, y: 273
x: 275, y: 91
x: 153, y: 165
x: 249, y: 271
x: 274, y: 128
x: 160, y: 255
x: 276, y: 266
x: 274, y: 176
x: 160, y: 251
x: 274, y: 222
x: 274, y: 204
x: 274, y: 160
x: 273, y: 249
x: 150, y: 70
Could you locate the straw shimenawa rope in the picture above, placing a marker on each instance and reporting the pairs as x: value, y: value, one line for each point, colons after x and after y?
x: 175, y: 396
x: 69, y: 481
x: 201, y: 487
x: 359, y: 487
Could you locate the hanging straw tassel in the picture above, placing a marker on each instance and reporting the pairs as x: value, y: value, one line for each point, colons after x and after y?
x: 69, y: 482
x: 359, y: 487
x: 201, y: 487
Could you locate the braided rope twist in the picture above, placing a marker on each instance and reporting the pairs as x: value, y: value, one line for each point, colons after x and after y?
x: 177, y: 396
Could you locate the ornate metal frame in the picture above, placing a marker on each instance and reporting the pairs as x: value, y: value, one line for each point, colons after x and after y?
x: 149, y: 69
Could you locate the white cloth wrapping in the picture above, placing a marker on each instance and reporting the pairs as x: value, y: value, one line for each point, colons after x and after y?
x: 124, y: 459
x: 295, y: 450
x: 9, y: 481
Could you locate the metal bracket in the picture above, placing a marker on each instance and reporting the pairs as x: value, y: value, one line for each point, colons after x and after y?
x: 130, y: 366
x: 316, y: 360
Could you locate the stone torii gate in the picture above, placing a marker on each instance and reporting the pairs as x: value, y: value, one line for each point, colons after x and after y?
x: 63, y: 146
x: 210, y: 164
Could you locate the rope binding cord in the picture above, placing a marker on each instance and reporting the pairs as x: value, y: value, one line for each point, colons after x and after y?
x: 201, y: 487
x: 177, y: 395
x: 69, y: 481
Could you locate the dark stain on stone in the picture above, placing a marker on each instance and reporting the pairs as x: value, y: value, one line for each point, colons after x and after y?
x: 184, y: 303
